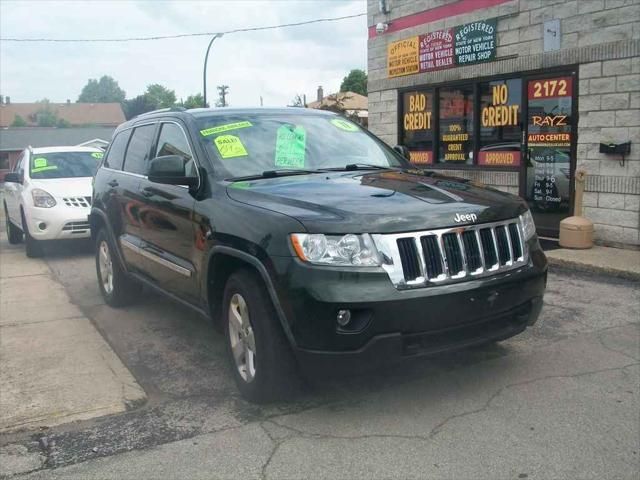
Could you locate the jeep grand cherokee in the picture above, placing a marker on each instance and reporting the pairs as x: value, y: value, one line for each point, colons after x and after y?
x: 309, y: 242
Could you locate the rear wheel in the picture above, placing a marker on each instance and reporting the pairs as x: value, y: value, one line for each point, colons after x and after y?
x: 263, y: 365
x: 33, y: 246
x: 117, y: 288
x: 14, y: 234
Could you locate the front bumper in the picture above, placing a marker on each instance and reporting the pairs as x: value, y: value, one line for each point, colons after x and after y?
x: 389, y: 324
x: 59, y: 222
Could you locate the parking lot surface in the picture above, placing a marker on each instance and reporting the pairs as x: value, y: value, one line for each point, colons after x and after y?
x: 559, y: 401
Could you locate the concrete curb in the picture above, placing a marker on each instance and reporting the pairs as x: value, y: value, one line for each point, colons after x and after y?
x: 590, y: 268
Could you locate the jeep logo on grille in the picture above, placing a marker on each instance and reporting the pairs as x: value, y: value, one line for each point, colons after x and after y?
x: 468, y: 217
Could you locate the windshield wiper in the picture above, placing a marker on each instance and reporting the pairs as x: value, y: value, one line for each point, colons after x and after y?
x: 281, y: 172
x: 360, y: 166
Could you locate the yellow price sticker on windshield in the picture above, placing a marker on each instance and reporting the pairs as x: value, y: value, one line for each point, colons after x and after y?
x: 344, y: 125
x: 230, y: 146
x: 39, y: 162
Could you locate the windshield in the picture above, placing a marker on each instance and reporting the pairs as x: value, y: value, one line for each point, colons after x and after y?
x: 252, y: 144
x: 64, y: 164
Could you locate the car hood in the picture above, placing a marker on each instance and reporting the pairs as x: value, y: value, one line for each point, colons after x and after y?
x: 65, y: 187
x: 379, y: 202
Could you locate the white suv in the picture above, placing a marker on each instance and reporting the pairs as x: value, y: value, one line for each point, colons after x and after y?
x: 47, y: 195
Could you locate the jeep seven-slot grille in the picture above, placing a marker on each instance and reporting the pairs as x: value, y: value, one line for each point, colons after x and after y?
x: 452, y: 254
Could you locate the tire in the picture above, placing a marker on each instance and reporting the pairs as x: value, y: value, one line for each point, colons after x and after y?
x: 14, y: 234
x: 33, y: 246
x: 117, y: 287
x: 258, y: 339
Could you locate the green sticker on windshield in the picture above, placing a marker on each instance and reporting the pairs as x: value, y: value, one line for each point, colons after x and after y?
x: 290, y: 146
x: 97, y: 154
x: 44, y: 169
x: 344, y: 125
x: 224, y: 128
x: 230, y: 146
x: 39, y: 162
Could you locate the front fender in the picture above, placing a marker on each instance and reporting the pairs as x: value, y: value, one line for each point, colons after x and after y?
x: 264, y: 274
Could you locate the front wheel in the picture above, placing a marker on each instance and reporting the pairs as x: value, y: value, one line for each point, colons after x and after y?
x: 263, y: 365
x: 14, y: 234
x: 117, y: 288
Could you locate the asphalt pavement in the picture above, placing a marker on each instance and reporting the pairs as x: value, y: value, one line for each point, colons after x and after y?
x: 559, y: 401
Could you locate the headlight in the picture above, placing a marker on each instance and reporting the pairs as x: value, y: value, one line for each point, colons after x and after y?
x: 356, y: 250
x: 528, y: 225
x: 42, y: 199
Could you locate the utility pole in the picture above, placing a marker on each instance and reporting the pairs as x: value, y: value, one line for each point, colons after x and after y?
x: 223, y: 90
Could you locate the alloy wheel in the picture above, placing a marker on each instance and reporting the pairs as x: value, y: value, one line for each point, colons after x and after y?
x: 242, y: 338
x: 106, y: 267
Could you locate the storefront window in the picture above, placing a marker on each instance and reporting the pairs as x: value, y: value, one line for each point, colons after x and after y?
x: 417, y: 125
x: 500, y: 123
x: 456, y: 125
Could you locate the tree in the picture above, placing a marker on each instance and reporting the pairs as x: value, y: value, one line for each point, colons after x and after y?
x: 105, y: 90
x: 298, y: 101
x: 136, y: 106
x: 193, y: 101
x: 355, y: 81
x: 45, y: 116
x: 18, y: 121
x: 155, y: 97
x: 159, y: 96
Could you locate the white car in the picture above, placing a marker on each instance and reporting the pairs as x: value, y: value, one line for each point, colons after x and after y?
x: 47, y: 195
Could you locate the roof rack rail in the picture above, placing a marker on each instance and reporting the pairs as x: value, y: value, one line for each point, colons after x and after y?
x: 161, y: 110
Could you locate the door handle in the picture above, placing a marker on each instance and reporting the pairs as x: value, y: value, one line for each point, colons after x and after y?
x: 113, y: 183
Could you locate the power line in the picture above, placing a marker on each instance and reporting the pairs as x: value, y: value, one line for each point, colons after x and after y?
x: 182, y: 35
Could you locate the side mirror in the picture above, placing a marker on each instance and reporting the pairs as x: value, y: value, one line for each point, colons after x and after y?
x: 404, y: 151
x: 170, y: 170
x: 13, y: 177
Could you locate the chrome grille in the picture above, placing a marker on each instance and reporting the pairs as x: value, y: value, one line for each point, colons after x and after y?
x: 417, y: 259
x: 77, y: 201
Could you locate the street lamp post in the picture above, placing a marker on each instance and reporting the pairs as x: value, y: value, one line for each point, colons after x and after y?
x: 204, y: 74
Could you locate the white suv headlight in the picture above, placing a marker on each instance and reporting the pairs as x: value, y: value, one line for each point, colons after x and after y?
x: 42, y: 199
x: 350, y: 249
x: 528, y: 225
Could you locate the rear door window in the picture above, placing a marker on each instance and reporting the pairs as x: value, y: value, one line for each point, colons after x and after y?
x: 139, y: 149
x: 115, y: 155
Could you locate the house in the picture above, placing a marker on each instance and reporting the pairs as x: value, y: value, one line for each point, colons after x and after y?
x: 73, y: 114
x: 351, y: 104
x: 14, y: 140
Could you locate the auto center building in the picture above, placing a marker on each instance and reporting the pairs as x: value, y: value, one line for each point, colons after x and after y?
x: 517, y: 94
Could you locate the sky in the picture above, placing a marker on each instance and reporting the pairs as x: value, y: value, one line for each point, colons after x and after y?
x: 275, y: 64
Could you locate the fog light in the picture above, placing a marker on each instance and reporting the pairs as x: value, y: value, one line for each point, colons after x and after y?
x: 343, y: 318
x: 42, y: 226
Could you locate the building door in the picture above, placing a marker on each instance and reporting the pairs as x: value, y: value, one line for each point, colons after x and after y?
x: 549, y: 142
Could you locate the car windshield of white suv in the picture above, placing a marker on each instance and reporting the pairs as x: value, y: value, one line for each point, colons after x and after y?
x: 45, y: 166
x: 260, y: 144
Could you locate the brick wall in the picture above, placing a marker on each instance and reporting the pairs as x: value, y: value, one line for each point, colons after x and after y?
x: 601, y: 36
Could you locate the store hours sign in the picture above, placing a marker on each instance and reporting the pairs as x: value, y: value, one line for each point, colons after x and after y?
x: 464, y: 45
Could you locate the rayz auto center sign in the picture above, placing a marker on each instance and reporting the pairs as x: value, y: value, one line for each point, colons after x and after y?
x: 464, y: 45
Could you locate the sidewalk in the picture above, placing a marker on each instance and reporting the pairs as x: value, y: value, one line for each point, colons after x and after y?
x: 55, y: 367
x: 612, y: 261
